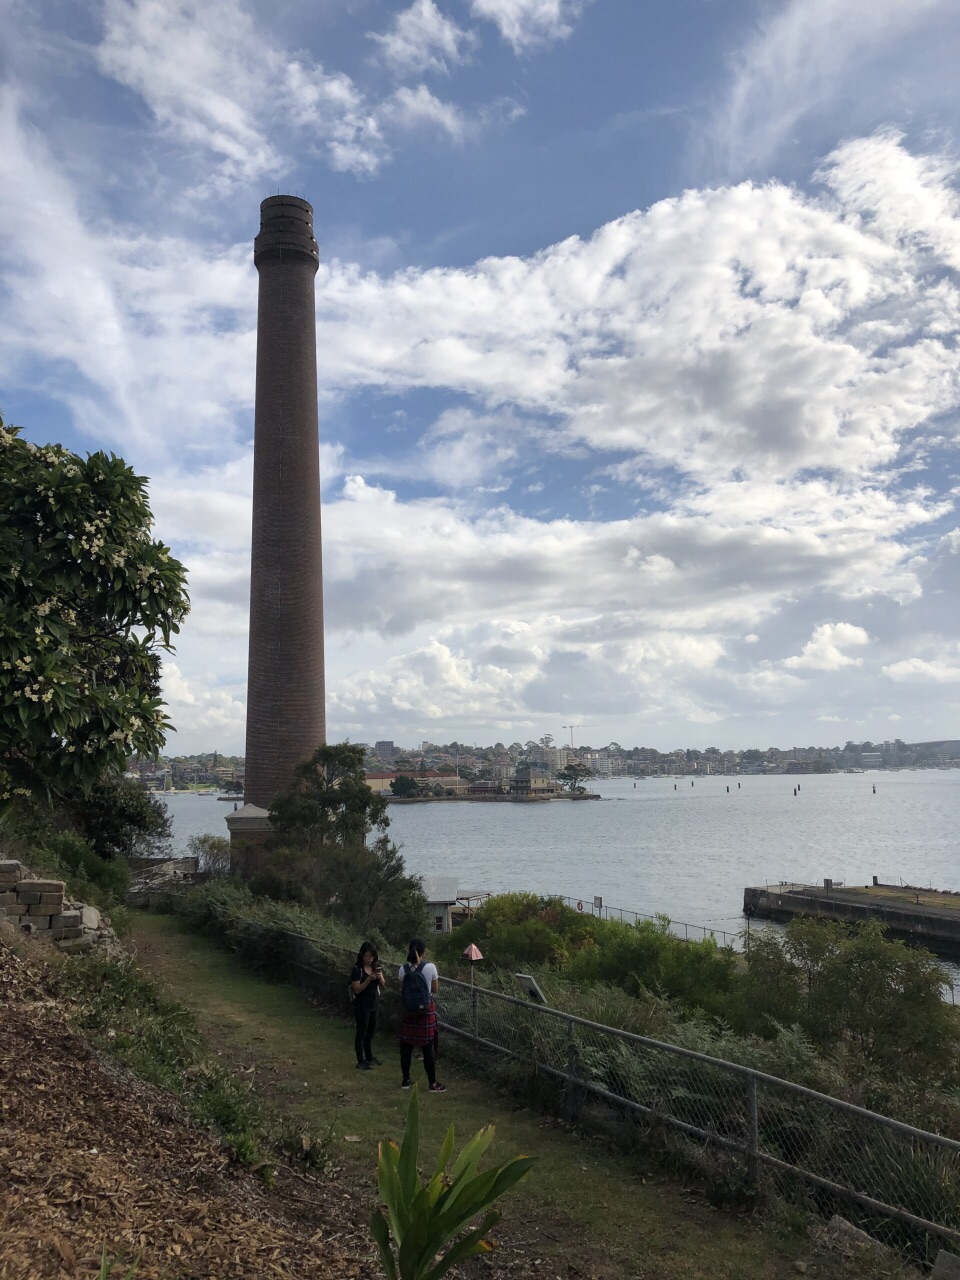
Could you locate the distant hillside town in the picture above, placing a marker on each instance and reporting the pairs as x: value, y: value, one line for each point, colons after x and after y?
x: 456, y: 765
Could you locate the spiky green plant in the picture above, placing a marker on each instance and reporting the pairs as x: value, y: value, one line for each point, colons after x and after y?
x: 419, y: 1236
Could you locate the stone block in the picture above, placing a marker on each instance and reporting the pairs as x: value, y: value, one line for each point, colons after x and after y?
x: 41, y: 910
x: 35, y: 922
x: 63, y: 933
x: 74, y: 946
x: 946, y: 1267
x: 42, y: 886
x: 51, y: 900
x: 28, y: 898
x: 67, y: 920
x: 8, y: 899
x: 10, y: 869
x: 16, y: 911
x: 90, y: 917
x: 7, y: 883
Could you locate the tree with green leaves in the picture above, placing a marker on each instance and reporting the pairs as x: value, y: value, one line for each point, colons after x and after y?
x: 329, y: 802
x: 404, y: 787
x: 332, y: 843
x: 88, y: 601
x: 573, y: 775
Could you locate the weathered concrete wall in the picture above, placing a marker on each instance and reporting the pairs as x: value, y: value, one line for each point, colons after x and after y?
x: 940, y: 931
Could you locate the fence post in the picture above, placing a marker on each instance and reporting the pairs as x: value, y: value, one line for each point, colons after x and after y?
x: 573, y: 1070
x: 753, y: 1135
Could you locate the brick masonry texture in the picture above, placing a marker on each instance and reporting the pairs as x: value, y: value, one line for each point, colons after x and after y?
x: 39, y: 906
x: 285, y: 683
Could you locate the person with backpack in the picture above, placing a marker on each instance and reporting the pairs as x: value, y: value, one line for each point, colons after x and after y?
x: 419, y: 982
x: 366, y: 983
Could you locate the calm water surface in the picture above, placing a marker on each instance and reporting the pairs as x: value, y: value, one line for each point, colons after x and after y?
x: 687, y: 852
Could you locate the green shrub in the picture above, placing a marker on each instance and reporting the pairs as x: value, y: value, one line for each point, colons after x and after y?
x: 422, y: 1235
x: 91, y: 878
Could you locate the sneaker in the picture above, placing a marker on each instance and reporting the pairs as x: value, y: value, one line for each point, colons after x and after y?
x: 437, y: 1088
x: 405, y: 1084
x: 374, y: 1062
x: 363, y: 1066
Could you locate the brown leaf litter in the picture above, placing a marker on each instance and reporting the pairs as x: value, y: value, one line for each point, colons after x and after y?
x: 91, y: 1157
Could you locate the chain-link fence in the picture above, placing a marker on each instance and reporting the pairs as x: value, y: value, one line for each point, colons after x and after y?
x: 900, y: 1183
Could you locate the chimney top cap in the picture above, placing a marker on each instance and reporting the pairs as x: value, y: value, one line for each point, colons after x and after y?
x: 286, y: 228
x: 269, y: 205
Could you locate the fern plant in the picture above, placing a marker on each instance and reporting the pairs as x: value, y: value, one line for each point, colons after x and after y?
x: 419, y: 1236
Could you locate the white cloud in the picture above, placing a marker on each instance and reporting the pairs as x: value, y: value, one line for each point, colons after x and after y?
x: 744, y: 362
x: 199, y: 709
x: 218, y: 83
x: 935, y: 670
x: 529, y: 24
x: 423, y: 39
x: 743, y: 331
x: 804, y: 55
x: 411, y: 108
x: 823, y: 651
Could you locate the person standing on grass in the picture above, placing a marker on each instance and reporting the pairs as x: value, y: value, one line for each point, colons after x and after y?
x: 366, y: 981
x: 419, y: 982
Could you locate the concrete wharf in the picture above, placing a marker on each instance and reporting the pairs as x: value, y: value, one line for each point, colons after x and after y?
x: 927, y: 917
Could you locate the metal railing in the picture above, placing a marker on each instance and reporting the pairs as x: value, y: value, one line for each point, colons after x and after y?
x: 900, y: 1183
x: 892, y: 1171
x: 679, y: 928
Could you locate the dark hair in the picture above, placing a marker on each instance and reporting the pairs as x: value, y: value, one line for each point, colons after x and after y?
x: 366, y: 946
x: 415, y: 950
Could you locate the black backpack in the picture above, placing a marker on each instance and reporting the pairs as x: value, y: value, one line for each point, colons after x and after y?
x: 415, y: 990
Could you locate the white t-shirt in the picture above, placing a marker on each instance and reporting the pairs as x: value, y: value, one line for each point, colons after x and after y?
x: 429, y: 972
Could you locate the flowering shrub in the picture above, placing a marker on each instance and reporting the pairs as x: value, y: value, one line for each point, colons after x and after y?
x: 87, y: 600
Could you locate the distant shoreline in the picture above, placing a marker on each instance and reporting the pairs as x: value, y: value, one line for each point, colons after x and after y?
x: 488, y: 799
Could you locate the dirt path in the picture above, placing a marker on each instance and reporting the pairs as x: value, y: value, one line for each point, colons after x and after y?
x: 587, y: 1211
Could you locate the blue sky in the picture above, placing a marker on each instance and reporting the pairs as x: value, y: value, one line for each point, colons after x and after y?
x: 637, y: 338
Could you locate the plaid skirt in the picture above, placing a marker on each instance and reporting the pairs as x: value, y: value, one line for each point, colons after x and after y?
x: 419, y: 1028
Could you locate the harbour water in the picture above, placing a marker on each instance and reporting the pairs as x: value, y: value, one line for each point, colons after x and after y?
x: 666, y: 846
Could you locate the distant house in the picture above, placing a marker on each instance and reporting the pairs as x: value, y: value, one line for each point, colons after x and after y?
x: 441, y: 894
x: 379, y: 782
x: 447, y: 904
x: 532, y: 782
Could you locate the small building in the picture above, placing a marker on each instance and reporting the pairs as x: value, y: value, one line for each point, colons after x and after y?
x: 447, y: 904
x: 441, y: 893
x: 533, y: 783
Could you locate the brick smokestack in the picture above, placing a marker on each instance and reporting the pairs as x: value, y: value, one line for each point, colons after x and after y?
x: 286, y: 719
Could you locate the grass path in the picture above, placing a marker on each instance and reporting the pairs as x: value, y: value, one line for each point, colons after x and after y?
x: 585, y: 1212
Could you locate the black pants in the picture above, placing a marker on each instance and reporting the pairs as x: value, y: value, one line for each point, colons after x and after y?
x: 406, y: 1057
x: 366, y: 1016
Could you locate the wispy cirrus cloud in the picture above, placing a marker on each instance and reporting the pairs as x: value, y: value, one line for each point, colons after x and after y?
x: 805, y: 56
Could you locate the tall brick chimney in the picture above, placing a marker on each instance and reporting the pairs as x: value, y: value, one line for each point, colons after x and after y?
x: 286, y: 719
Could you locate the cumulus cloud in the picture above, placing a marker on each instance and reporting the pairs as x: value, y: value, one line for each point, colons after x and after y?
x: 746, y: 367
x: 824, y: 650
x: 423, y: 39
x: 747, y: 330
x: 529, y: 24
x: 934, y: 670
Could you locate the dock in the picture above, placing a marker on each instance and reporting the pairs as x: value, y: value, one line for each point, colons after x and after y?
x: 926, y: 917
